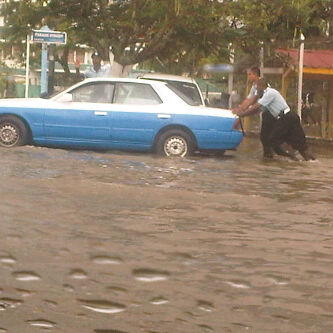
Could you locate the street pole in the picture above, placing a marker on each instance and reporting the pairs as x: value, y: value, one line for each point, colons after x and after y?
x: 27, y: 65
x: 51, y: 69
x: 231, y: 74
x: 261, y: 57
x: 300, y: 76
x: 43, y: 81
x: 44, y: 64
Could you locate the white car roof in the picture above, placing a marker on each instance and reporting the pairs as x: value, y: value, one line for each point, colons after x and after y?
x: 117, y: 79
x: 162, y: 76
x: 111, y: 79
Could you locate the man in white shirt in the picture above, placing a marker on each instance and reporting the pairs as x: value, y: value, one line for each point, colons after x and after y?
x: 97, y: 70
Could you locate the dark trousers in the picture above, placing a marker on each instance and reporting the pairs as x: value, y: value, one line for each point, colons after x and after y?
x: 268, y: 123
x: 288, y: 129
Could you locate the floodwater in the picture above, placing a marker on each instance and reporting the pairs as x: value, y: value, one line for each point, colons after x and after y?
x: 109, y: 242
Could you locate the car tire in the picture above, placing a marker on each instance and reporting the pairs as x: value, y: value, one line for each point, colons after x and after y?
x: 175, y: 143
x: 13, y: 132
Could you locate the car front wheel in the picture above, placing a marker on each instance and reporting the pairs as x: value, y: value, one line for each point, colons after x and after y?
x: 174, y: 143
x: 13, y: 132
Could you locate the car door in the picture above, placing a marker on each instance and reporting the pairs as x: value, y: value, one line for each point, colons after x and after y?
x: 137, y: 114
x: 85, y: 119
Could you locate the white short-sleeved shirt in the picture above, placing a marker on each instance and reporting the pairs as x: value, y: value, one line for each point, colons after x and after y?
x: 104, y: 71
x: 253, y: 91
x: 273, y: 101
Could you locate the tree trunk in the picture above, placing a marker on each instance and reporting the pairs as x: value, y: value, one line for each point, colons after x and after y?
x: 119, y: 70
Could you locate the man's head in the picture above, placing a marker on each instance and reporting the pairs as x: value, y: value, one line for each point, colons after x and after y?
x: 253, y: 74
x: 262, y: 84
x: 96, y: 59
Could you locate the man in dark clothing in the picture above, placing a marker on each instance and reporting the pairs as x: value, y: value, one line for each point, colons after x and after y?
x: 287, y: 126
x: 307, y: 108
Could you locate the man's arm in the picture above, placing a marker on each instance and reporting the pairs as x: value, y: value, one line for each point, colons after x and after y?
x: 245, y: 104
x: 249, y: 111
x: 78, y: 75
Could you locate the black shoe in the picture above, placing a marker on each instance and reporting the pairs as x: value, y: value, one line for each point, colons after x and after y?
x: 307, y: 155
x: 293, y: 157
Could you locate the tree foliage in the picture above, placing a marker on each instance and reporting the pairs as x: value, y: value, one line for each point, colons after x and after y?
x: 279, y: 23
x: 175, y: 34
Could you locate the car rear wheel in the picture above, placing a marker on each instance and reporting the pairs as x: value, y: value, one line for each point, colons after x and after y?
x: 174, y: 143
x: 13, y: 132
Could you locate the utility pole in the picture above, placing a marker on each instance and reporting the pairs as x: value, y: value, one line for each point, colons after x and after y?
x: 300, y: 76
x: 27, y: 68
x: 51, y: 69
x: 231, y: 73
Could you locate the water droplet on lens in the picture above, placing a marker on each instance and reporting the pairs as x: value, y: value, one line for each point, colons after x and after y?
x: 68, y: 288
x: 205, y: 306
x: 8, y: 260
x: 42, y: 323
x: 150, y: 275
x: 242, y: 326
x: 10, y: 302
x: 24, y: 292
x: 206, y: 329
x: 117, y: 290
x: 26, y: 276
x: 105, y: 260
x: 109, y: 331
x: 281, y: 317
x: 159, y: 301
x: 51, y: 304
x: 102, y: 306
x: 238, y: 284
x: 278, y: 281
x: 78, y: 274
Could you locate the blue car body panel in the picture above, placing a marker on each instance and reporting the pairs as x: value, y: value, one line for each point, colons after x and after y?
x: 121, y: 130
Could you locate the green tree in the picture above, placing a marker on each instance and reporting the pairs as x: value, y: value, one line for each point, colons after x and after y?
x: 174, y: 32
x: 279, y: 23
x: 175, y: 35
x: 22, y: 17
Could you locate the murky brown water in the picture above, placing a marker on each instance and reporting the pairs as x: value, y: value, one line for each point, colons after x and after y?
x: 108, y: 242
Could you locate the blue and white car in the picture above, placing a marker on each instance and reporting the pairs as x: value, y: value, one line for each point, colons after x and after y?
x: 121, y: 114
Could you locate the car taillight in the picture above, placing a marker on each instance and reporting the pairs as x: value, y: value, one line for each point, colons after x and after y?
x: 237, y: 124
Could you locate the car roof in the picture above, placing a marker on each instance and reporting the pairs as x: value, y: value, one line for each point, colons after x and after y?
x: 171, y: 77
x: 117, y: 79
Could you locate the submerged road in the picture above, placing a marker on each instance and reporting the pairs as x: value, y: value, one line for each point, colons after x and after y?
x: 119, y: 242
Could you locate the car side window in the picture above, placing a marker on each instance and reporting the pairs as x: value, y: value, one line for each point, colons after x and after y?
x: 98, y: 92
x: 187, y: 89
x: 136, y: 93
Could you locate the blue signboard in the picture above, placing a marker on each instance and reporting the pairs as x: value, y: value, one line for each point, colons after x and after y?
x: 50, y: 37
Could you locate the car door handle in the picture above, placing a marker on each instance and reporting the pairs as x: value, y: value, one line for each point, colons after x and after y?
x: 164, y: 116
x: 100, y: 113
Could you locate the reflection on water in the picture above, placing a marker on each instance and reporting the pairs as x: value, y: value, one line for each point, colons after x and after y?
x: 113, y: 242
